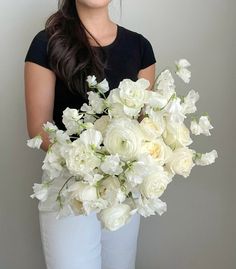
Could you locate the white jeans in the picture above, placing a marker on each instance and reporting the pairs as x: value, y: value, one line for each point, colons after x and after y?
x: 78, y: 242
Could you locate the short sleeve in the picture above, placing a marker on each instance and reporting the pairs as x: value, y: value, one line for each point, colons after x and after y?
x: 147, y: 53
x: 37, y: 51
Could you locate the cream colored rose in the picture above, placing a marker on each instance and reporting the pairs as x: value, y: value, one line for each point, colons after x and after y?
x: 157, y: 149
x: 123, y: 136
x: 155, y: 184
x: 181, y: 161
x: 150, y: 129
x: 114, y: 217
x: 177, y: 135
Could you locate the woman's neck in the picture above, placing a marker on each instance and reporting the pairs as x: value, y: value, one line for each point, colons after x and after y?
x: 96, y: 21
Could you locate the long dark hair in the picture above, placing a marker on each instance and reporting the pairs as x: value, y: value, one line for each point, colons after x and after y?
x: 71, y: 56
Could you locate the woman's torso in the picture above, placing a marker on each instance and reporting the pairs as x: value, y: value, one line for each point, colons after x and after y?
x: 126, y: 55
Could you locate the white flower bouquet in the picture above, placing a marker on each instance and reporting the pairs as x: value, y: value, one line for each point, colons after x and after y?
x: 119, y: 153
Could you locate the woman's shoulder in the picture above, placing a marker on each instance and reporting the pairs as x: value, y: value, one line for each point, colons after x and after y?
x: 133, y: 35
x: 41, y: 35
x: 37, y: 50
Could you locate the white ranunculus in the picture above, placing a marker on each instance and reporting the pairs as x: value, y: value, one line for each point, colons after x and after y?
x: 40, y: 191
x: 182, y: 71
x: 154, y: 185
x: 123, y: 136
x: 189, y: 102
x: 159, y: 151
x: 80, y: 159
x: 96, y: 102
x: 181, y: 161
x: 82, y: 191
x: 91, y: 81
x: 103, y: 86
x: 177, y: 135
x: 101, y: 123
x: 111, y: 165
x: 72, y: 121
x: 113, y: 218
x: 91, y: 137
x: 175, y: 111
x: 207, y: 158
x: 205, y: 125
x: 35, y: 142
x: 148, y: 207
x: 130, y: 94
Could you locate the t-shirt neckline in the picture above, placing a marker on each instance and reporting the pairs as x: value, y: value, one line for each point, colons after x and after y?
x: 113, y: 42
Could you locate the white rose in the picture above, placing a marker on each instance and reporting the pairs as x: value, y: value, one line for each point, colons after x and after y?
x: 113, y: 218
x: 177, y: 135
x: 150, y: 129
x: 181, y: 161
x: 123, y: 136
x: 154, y: 185
x: 157, y: 149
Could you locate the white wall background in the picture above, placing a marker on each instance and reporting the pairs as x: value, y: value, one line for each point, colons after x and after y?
x: 198, y: 230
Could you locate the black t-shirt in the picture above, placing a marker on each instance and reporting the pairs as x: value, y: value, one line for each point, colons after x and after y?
x: 126, y: 55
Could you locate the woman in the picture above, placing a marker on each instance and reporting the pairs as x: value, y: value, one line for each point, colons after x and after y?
x: 80, y: 40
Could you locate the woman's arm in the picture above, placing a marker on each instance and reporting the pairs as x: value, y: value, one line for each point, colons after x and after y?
x: 149, y: 74
x: 39, y: 99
